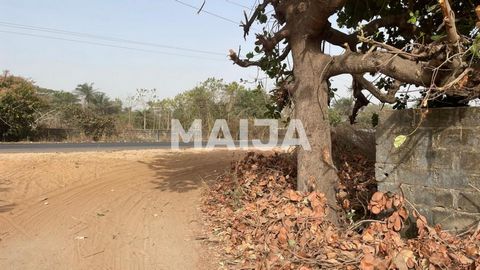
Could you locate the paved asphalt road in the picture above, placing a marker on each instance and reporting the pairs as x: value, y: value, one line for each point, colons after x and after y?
x: 92, y: 147
x: 83, y: 147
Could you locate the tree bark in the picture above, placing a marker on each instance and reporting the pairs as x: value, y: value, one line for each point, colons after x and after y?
x: 315, y: 167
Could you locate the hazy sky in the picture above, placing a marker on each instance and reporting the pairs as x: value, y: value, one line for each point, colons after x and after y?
x: 60, y: 64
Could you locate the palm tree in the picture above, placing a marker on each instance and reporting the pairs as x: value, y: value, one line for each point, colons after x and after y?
x: 101, y: 102
x: 87, y: 93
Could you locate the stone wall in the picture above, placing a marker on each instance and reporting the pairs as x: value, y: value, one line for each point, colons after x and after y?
x: 438, y: 166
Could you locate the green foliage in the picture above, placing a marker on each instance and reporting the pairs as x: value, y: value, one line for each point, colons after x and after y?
x: 414, y: 17
x: 344, y: 106
x: 335, y: 117
x: 95, y: 116
x: 416, y: 27
x: 475, y: 48
x: 93, y: 124
x: 86, y: 92
x: 24, y: 107
x: 342, y: 109
x: 214, y: 99
x: 58, y: 99
x: 19, y: 105
x: 426, y: 15
x: 102, y: 104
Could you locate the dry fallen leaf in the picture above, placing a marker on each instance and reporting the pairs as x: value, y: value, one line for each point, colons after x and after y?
x: 269, y: 224
x: 367, y: 263
x: 377, y: 196
x: 282, y: 235
x: 367, y: 237
x: 404, y: 259
x: 471, y: 250
x: 290, y: 210
x: 294, y: 196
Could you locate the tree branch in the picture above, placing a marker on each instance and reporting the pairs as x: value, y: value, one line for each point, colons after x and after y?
x: 360, y: 99
x: 338, y: 38
x: 249, y: 21
x: 248, y: 63
x: 268, y: 44
x: 399, y: 20
x: 384, y: 98
x: 284, y: 54
x: 449, y: 19
x: 477, y: 11
x: 404, y: 70
x: 392, y: 49
x: 242, y: 62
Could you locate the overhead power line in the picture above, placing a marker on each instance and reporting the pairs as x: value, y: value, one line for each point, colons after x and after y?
x: 105, y: 38
x: 238, y: 4
x: 109, y: 45
x: 208, y: 12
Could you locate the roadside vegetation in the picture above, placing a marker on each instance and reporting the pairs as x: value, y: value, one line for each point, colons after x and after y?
x: 30, y: 112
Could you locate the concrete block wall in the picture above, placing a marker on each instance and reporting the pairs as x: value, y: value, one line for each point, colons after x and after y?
x: 438, y: 166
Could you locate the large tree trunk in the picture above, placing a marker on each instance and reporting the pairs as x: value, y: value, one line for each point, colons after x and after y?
x: 315, y: 168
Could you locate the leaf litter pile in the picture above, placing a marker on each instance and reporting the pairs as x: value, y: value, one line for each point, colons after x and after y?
x: 260, y: 221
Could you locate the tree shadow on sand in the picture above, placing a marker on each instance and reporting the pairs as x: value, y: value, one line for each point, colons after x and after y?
x: 184, y: 172
x: 5, y: 206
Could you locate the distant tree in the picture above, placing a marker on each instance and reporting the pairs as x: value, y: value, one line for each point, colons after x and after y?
x: 19, y: 106
x: 344, y: 106
x: 62, y: 98
x: 341, y: 112
x: 86, y: 92
x: 214, y: 99
x: 93, y: 124
x: 56, y: 99
x: 144, y: 98
x: 100, y: 100
x: 58, y: 104
x: 102, y: 104
x: 115, y: 106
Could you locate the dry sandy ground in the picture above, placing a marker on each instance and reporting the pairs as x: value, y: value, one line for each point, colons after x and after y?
x: 100, y: 210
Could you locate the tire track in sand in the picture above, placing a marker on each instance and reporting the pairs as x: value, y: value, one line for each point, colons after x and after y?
x: 135, y: 214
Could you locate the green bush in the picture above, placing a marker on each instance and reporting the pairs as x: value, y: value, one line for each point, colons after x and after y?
x: 19, y: 106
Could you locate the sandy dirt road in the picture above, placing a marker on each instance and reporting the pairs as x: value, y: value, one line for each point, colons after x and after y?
x: 120, y: 210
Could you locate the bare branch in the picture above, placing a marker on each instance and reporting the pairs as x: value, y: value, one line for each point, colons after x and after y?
x: 385, y: 98
x: 284, y: 54
x: 248, y: 63
x: 339, y: 38
x: 242, y: 62
x: 477, y: 11
x: 249, y: 21
x: 399, y: 20
x: 404, y: 70
x: 392, y: 49
x: 449, y: 19
x: 268, y: 44
x: 360, y: 99
x: 452, y: 84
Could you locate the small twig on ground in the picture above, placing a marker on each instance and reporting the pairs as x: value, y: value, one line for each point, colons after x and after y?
x: 474, y: 187
x: 467, y: 231
x: 359, y: 223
